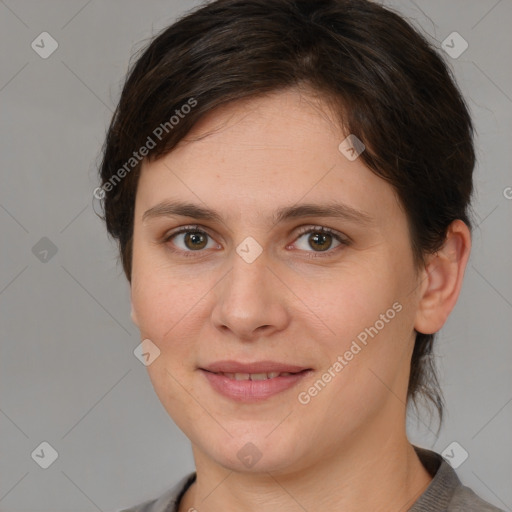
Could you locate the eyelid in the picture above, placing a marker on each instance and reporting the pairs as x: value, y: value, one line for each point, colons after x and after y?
x: 194, y: 228
x: 169, y: 235
x: 184, y: 229
x: 323, y: 229
x: 343, y: 240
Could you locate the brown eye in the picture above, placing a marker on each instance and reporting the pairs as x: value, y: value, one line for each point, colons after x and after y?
x: 189, y: 239
x: 195, y: 240
x: 320, y: 241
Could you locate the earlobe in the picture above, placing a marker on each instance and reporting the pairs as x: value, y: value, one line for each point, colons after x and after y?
x: 442, y: 279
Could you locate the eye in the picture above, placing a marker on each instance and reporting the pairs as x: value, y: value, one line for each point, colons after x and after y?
x: 320, y: 239
x: 190, y: 239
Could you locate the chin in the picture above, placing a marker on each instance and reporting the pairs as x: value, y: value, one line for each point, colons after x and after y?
x: 254, y: 453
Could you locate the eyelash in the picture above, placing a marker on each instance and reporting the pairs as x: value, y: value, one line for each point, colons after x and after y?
x: 311, y: 254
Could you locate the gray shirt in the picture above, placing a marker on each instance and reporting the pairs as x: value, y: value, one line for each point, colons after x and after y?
x: 444, y: 494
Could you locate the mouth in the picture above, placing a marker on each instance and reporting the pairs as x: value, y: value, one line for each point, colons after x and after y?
x: 248, y: 387
x: 255, y: 376
x: 256, y: 368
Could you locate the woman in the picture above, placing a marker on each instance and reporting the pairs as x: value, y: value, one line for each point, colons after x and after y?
x: 289, y: 183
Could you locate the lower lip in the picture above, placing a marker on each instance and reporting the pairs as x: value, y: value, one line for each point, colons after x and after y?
x: 252, y: 390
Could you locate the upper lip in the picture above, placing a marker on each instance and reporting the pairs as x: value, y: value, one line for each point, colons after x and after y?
x: 256, y: 367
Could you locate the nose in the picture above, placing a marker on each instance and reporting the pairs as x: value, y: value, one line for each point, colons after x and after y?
x: 250, y: 300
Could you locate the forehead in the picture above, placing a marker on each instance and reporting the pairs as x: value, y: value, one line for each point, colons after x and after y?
x: 265, y: 153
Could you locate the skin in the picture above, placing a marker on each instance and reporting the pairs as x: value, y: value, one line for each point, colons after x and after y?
x: 347, y: 448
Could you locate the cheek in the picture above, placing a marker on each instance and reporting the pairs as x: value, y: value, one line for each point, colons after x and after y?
x: 171, y: 314
x: 365, y: 323
x: 152, y: 305
x: 176, y: 392
x: 348, y: 299
x: 162, y: 292
x: 160, y: 296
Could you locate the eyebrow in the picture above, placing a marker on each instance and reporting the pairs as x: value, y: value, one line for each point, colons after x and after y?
x: 333, y: 209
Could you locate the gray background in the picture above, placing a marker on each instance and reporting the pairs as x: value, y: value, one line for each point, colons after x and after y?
x: 68, y: 373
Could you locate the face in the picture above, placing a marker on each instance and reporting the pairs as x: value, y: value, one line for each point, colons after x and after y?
x: 252, y: 274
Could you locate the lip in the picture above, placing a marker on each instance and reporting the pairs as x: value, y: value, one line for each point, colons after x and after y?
x: 250, y: 391
x: 230, y: 366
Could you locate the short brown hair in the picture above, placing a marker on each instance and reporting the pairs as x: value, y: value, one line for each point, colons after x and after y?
x: 386, y: 81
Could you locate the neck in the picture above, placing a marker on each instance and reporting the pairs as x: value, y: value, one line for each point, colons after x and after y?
x: 369, y: 473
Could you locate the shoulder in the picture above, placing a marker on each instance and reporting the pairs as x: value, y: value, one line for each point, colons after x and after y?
x: 167, y: 501
x: 465, y: 500
x: 446, y: 492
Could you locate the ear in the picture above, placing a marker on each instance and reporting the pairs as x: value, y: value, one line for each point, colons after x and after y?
x: 441, y: 280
